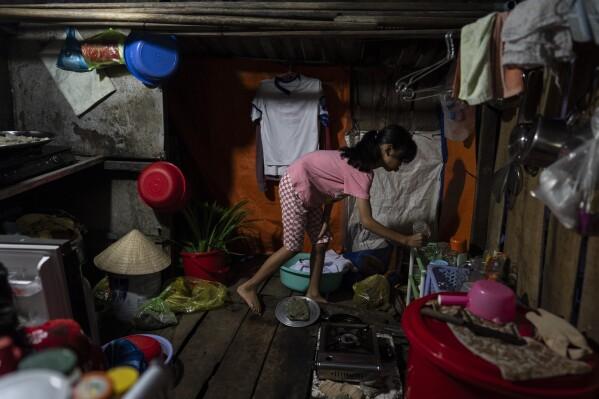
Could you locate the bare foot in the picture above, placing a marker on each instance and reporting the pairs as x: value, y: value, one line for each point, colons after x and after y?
x: 318, y: 298
x: 250, y: 296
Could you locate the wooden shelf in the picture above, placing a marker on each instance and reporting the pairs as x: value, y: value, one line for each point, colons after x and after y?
x: 31, y: 183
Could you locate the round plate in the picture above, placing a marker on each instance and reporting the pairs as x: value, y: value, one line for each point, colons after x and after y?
x: 281, y: 312
x: 44, y: 138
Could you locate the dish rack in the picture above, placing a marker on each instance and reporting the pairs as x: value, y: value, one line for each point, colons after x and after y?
x: 416, y: 277
x: 444, y: 278
x: 432, y: 278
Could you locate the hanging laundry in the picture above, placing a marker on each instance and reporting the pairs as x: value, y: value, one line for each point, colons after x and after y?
x: 475, y: 61
x: 507, y: 80
x: 536, y: 34
x: 289, y: 111
x: 333, y: 263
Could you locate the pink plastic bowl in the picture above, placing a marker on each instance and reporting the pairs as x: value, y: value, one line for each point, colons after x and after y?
x: 487, y: 299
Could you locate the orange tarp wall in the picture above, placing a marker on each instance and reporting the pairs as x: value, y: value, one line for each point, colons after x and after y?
x: 209, y: 104
x: 459, y: 187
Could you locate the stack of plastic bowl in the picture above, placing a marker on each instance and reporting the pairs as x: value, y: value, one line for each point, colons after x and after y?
x: 151, y: 58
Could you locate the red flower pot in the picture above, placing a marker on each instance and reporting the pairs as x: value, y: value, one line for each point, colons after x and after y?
x: 206, y: 265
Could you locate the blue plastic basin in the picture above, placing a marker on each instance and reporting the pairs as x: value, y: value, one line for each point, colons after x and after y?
x: 299, y: 281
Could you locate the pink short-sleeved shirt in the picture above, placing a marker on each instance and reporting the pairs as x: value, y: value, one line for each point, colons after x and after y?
x: 321, y: 176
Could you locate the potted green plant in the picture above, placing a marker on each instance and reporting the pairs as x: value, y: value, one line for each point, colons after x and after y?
x: 213, y: 228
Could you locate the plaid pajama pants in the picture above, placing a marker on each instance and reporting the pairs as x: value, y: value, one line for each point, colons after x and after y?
x: 297, y: 219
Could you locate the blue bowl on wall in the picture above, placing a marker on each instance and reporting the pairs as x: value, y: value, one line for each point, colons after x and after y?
x: 151, y: 58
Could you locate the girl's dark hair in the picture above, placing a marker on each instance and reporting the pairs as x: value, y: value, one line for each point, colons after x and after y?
x: 366, y: 155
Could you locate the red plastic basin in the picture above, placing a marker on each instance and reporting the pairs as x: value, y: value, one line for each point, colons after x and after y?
x: 162, y: 186
x: 439, y: 366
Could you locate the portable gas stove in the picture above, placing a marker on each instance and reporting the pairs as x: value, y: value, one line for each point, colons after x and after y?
x: 348, y: 352
x: 23, y: 164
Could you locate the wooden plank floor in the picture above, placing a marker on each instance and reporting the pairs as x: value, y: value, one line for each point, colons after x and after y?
x: 234, y: 354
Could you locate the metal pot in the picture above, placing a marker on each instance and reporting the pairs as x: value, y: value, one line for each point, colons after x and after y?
x: 541, y: 144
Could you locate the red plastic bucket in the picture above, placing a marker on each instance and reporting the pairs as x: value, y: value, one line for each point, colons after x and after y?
x: 439, y: 366
x: 206, y: 265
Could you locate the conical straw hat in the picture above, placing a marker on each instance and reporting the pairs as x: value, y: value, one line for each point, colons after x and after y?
x: 133, y: 254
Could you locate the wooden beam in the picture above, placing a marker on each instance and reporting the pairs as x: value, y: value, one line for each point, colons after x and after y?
x: 69, y: 15
x: 213, y: 31
x: 334, y: 6
x: 286, y: 13
x: 487, y: 142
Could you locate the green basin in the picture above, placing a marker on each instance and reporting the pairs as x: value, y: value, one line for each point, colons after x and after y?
x: 299, y: 281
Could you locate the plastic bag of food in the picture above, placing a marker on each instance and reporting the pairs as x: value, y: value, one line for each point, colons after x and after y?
x: 372, y: 292
x: 187, y: 295
x: 104, y: 49
x: 154, y: 314
x: 101, y: 294
x: 182, y: 295
x: 99, y: 51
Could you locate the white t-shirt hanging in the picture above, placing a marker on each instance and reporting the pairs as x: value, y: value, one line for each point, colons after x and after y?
x: 289, y: 113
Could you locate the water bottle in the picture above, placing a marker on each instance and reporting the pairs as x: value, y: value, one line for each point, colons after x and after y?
x: 29, y: 299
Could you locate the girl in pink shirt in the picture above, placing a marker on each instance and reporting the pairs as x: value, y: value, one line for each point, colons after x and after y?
x: 310, y: 187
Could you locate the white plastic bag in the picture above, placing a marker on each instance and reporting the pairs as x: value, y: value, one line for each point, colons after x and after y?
x: 559, y: 186
x: 569, y: 187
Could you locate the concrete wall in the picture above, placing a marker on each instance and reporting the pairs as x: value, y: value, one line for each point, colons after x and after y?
x: 129, y: 123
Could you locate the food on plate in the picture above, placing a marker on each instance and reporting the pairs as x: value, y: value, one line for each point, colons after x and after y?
x: 298, y: 310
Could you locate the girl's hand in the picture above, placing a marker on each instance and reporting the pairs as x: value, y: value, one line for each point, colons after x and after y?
x: 414, y: 241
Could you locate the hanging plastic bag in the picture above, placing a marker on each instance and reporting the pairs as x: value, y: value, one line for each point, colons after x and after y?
x: 372, y: 292
x: 70, y: 57
x: 569, y: 187
x: 104, y: 49
x: 457, y: 118
x: 588, y: 212
x: 559, y: 186
x: 99, y: 51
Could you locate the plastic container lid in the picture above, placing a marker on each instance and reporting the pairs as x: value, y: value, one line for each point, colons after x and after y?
x: 151, y: 58
x: 34, y: 384
x: 123, y: 378
x: 147, y: 345
x: 57, y: 359
x: 93, y: 385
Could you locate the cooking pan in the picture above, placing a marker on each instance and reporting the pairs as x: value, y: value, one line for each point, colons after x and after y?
x: 37, y: 139
x: 544, y: 142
